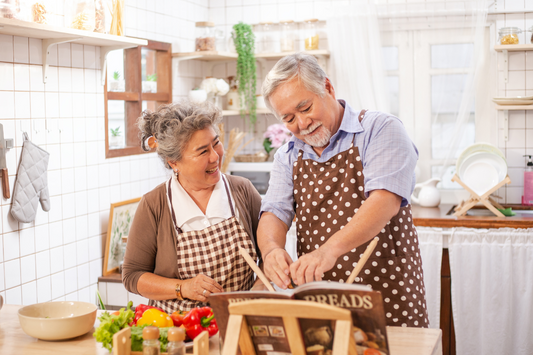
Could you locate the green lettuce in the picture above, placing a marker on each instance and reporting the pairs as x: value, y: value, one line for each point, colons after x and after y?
x: 111, y: 324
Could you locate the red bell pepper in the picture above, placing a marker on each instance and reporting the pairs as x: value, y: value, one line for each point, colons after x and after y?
x: 139, y: 310
x: 198, y: 320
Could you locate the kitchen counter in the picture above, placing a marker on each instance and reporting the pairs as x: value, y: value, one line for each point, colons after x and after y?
x: 440, y: 217
x: 403, y: 341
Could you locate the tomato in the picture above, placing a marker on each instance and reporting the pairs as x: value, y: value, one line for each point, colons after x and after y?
x: 177, y: 318
x: 115, y: 313
x: 155, y: 317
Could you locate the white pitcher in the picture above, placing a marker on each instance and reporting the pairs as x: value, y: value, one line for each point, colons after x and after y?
x: 429, y: 195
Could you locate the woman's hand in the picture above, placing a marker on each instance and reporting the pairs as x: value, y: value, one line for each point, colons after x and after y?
x: 199, y: 288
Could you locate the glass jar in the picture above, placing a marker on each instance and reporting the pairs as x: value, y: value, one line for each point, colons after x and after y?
x: 266, y: 38
x: 311, y: 34
x: 205, y: 36
x: 287, y: 35
x: 99, y: 16
x: 9, y: 8
x: 39, y: 11
x: 509, y: 35
x: 80, y: 14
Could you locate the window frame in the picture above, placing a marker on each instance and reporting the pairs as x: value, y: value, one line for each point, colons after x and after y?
x: 133, y: 96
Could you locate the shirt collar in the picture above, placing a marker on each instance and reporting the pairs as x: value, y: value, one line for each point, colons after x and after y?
x: 186, y: 209
x: 350, y: 124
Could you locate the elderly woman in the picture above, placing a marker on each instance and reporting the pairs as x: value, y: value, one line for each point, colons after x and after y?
x: 184, y: 241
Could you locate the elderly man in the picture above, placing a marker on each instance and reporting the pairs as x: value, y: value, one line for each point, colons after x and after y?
x: 345, y: 177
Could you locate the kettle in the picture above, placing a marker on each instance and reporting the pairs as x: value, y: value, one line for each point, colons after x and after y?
x: 429, y: 195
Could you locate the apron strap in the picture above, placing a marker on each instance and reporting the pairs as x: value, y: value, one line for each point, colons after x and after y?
x: 178, y: 229
x: 229, y: 197
x: 362, y: 115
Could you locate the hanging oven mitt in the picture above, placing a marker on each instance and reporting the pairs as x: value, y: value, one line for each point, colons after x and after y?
x: 31, y: 185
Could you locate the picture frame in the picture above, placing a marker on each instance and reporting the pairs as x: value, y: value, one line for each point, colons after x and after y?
x: 120, y: 217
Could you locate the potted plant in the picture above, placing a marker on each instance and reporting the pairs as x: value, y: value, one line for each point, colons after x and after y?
x: 150, y: 85
x: 115, y: 139
x: 244, y: 40
x: 115, y: 84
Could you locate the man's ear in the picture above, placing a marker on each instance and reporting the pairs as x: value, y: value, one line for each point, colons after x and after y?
x: 329, y: 87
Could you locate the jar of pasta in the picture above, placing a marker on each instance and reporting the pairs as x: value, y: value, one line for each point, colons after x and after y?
x: 205, y: 36
x: 80, y: 14
x: 287, y: 35
x: 509, y: 35
x: 311, y: 34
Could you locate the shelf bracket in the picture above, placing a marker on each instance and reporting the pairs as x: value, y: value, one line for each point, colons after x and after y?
x: 103, y: 58
x: 506, y: 125
x: 47, y: 43
x: 505, y: 66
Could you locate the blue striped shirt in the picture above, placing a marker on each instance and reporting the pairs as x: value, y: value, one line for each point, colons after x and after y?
x: 389, y: 158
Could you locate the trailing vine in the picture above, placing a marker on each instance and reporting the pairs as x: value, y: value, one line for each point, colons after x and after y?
x: 244, y: 40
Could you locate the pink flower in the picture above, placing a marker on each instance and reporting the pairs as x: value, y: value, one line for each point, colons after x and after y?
x: 278, y: 135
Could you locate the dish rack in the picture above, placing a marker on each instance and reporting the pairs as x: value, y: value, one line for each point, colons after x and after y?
x: 475, y: 198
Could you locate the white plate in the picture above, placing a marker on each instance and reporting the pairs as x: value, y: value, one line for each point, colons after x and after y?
x: 477, y: 148
x: 482, y: 171
x: 512, y: 102
x: 515, y: 98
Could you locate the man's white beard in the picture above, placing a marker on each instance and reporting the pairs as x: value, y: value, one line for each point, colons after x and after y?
x: 319, y: 139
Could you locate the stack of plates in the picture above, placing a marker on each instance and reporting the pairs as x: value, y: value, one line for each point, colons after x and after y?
x: 517, y: 100
x: 481, y: 166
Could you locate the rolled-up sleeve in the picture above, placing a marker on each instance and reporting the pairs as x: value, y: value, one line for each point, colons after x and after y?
x: 389, y: 158
x: 279, y: 198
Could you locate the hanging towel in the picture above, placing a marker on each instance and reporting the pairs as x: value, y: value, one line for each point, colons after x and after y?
x: 31, y: 185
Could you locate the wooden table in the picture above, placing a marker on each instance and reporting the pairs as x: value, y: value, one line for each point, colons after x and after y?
x: 13, y: 340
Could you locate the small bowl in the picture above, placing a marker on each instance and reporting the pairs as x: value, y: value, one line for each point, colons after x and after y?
x: 57, y: 320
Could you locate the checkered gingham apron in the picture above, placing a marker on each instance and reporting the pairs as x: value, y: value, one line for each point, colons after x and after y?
x: 213, y: 251
x: 327, y: 195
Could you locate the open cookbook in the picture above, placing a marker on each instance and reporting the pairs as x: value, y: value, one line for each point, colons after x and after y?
x: 268, y: 333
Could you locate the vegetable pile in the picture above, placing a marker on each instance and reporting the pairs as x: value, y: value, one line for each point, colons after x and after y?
x: 194, y: 322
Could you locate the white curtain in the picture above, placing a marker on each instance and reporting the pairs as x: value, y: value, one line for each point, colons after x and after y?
x: 355, y: 65
x: 430, y: 241
x: 492, y: 290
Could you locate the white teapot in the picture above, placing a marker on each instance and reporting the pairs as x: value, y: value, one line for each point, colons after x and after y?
x: 429, y: 195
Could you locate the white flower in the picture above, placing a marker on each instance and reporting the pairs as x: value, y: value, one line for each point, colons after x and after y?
x: 215, y: 86
x: 222, y: 87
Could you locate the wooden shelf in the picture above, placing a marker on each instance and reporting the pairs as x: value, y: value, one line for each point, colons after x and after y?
x: 227, y: 56
x: 54, y: 35
x: 514, y: 107
x: 236, y: 113
x: 513, y: 47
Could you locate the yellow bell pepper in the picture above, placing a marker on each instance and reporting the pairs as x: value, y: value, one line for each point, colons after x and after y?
x: 155, y: 317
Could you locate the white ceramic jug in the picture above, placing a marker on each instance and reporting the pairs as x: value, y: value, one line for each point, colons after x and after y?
x: 429, y: 195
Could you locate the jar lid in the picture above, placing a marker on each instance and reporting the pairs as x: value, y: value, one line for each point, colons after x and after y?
x: 311, y: 20
x: 266, y: 23
x: 176, y: 334
x: 150, y: 333
x: 286, y: 21
x: 205, y: 24
x: 510, y: 29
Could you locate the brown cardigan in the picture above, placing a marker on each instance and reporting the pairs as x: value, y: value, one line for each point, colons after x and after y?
x: 151, y: 246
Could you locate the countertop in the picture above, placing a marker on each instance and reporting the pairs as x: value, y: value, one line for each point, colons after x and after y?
x: 403, y: 341
x: 439, y: 217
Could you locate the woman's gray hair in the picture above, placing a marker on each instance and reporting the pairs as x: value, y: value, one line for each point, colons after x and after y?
x: 174, y: 124
x: 303, y: 66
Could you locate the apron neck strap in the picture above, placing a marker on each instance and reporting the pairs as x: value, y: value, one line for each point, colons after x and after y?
x: 229, y: 197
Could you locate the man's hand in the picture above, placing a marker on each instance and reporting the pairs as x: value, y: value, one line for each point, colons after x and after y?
x: 276, y: 267
x: 311, y: 267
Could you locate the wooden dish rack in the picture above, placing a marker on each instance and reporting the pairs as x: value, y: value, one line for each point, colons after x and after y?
x: 474, y: 199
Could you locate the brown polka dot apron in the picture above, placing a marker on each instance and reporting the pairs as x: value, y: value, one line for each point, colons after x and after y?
x: 214, y: 252
x: 327, y: 195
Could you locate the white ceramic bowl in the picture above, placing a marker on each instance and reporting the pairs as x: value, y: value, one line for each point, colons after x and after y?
x: 477, y: 148
x: 482, y: 171
x: 57, y: 320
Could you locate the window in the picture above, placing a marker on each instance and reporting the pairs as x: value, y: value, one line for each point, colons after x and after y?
x: 426, y: 71
x: 137, y: 79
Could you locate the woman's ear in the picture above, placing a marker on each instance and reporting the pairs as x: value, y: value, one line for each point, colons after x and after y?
x: 172, y: 165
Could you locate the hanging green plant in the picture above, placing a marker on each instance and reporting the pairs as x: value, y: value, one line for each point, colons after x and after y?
x: 244, y: 40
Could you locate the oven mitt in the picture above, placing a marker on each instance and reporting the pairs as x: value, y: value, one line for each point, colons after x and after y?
x: 31, y: 185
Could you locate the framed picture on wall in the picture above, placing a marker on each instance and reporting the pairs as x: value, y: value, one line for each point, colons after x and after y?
x: 120, y: 218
